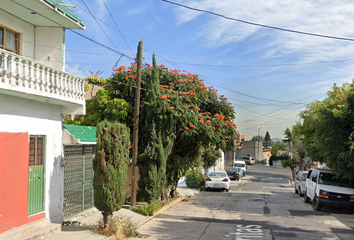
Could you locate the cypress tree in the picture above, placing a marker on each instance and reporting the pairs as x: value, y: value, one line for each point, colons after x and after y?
x: 156, y: 141
x: 110, y: 168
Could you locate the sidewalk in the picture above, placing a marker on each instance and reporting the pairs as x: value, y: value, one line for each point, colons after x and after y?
x: 92, y: 216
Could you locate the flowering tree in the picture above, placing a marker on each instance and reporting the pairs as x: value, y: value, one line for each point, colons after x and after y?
x: 181, y: 108
x: 181, y: 120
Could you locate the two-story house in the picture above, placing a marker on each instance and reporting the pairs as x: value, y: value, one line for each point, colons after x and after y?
x: 35, y: 92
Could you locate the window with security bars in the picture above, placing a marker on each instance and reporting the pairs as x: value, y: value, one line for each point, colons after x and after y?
x: 9, y: 40
x: 36, y: 151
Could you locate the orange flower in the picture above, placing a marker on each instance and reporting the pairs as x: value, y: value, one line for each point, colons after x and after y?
x: 186, y: 128
x: 192, y: 126
x: 225, y: 124
x: 172, y: 108
x: 132, y: 119
x: 213, y: 128
x: 197, y: 108
x: 201, y: 121
x: 207, y: 121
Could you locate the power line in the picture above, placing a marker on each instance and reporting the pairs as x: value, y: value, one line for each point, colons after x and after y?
x: 117, y: 27
x: 279, y: 117
x: 260, y: 25
x: 99, y: 24
x: 90, y: 39
x: 263, y: 65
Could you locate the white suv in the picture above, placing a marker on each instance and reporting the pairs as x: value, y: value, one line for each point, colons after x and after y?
x: 323, y: 187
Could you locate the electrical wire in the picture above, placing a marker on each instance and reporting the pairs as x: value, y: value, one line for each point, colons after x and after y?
x: 260, y: 25
x: 117, y: 27
x: 99, y: 24
x: 90, y: 39
x: 126, y: 56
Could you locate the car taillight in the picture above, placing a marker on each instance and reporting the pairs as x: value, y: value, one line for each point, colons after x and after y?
x: 207, y: 179
x: 225, y: 180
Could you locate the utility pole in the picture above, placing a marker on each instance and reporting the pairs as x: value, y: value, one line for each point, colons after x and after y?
x: 136, y: 123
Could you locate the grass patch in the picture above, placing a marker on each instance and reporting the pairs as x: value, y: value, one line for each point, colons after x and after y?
x: 121, y: 228
x: 150, y: 209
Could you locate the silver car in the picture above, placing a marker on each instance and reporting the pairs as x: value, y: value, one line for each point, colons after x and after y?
x: 300, y: 183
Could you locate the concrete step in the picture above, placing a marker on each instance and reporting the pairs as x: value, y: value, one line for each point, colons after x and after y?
x: 32, y: 231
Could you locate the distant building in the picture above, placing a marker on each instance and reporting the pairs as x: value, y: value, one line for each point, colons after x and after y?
x: 252, y: 149
x: 240, y: 138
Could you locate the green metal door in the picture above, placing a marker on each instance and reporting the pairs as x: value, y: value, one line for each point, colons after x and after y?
x: 36, y: 175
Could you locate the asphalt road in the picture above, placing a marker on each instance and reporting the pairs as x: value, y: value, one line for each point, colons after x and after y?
x: 260, y: 206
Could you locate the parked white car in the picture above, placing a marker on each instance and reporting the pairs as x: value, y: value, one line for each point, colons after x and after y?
x: 217, y: 180
x: 300, y: 183
x: 324, y: 187
x: 241, y: 164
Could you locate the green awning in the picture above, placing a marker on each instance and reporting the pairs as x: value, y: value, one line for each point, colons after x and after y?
x: 82, y: 133
x: 65, y: 10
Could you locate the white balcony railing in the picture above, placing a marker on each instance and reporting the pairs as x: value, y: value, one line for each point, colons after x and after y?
x: 21, y: 75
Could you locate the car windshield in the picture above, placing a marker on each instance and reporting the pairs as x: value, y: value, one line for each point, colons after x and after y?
x: 217, y: 174
x: 333, y: 180
x: 303, y: 177
x: 233, y: 170
x: 239, y: 165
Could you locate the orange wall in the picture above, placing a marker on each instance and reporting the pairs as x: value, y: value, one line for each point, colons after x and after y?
x: 14, y: 153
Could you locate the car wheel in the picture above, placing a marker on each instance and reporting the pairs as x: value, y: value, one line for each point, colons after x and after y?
x: 316, y: 204
x: 306, y: 198
x: 227, y: 189
x: 300, y: 192
x: 296, y: 191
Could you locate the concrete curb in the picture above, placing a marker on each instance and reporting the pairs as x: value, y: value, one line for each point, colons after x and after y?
x: 168, y: 206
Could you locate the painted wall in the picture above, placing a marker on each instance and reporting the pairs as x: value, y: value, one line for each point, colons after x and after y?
x: 49, y: 47
x: 41, y: 44
x: 17, y: 115
x: 14, y: 154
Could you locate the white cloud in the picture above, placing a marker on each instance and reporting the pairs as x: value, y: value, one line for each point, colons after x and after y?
x: 313, y: 16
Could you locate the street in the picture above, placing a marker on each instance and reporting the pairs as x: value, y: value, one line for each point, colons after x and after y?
x: 261, y: 205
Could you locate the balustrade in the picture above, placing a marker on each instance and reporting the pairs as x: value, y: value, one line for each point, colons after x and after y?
x: 24, y: 75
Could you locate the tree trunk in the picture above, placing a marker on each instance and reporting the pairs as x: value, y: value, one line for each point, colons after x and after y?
x: 173, y: 192
x: 107, y: 219
x: 293, y: 173
x: 165, y: 194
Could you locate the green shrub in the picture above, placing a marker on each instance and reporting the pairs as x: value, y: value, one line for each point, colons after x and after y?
x: 195, y: 179
x: 149, y: 209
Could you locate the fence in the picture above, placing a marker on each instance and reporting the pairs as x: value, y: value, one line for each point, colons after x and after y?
x: 78, y: 179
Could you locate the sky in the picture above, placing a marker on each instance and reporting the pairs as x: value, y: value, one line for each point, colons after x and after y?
x: 271, y: 59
